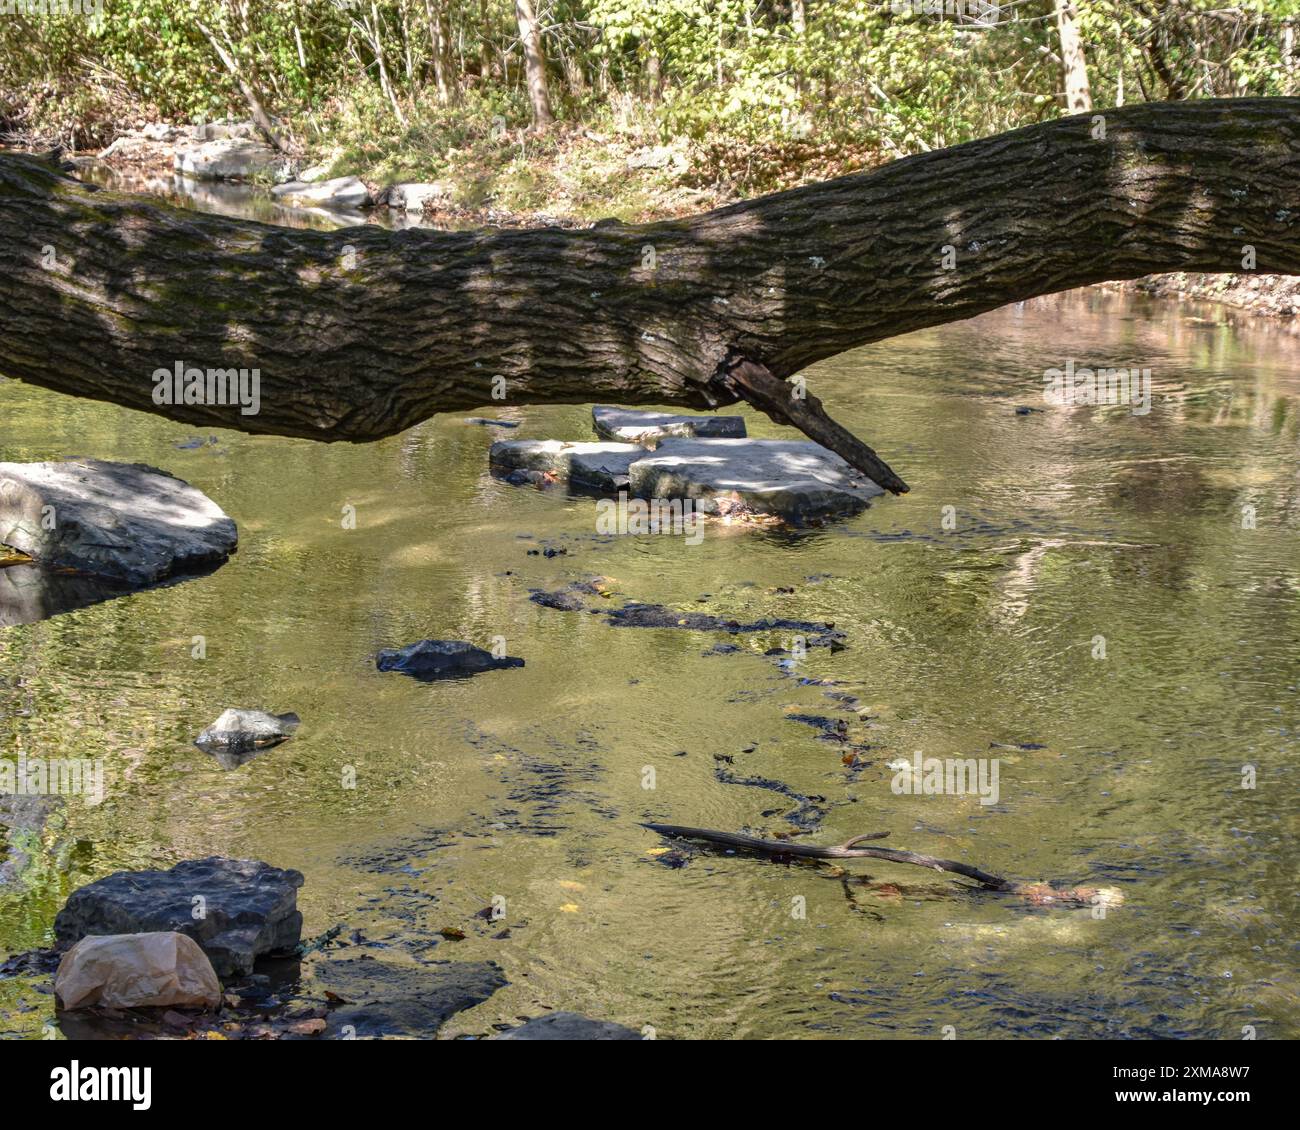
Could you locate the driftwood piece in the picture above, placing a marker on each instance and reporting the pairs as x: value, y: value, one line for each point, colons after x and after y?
x: 846, y: 850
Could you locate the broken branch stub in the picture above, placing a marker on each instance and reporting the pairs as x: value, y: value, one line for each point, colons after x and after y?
x: 787, y: 404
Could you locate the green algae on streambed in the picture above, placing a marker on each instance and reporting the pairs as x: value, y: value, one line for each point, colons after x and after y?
x: 1171, y: 536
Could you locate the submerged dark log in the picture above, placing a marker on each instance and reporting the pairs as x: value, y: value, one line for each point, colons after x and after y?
x: 359, y: 334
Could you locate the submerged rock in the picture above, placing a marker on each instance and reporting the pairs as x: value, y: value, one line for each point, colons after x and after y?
x: 384, y: 998
x: 568, y: 1026
x: 121, y: 522
x: 247, y: 909
x: 156, y: 970
x: 637, y: 614
x: 627, y: 425
x: 22, y: 818
x: 241, y: 731
x: 428, y: 660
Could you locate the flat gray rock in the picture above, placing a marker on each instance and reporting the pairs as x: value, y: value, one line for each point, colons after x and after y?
x: 598, y: 466
x: 412, y: 197
x: 385, y: 998
x: 248, y: 908
x: 121, y: 522
x: 229, y: 158
x: 341, y: 192
x: 627, y: 425
x: 568, y: 1026
x: 798, y: 481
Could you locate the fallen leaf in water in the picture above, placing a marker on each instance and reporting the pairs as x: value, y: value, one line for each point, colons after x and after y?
x: 657, y: 851
x: 452, y: 933
x: 570, y: 908
x: 307, y: 1027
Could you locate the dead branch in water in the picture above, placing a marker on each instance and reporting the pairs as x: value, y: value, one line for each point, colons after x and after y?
x: 846, y: 850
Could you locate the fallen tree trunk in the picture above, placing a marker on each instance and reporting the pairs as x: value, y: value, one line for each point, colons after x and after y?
x: 359, y: 334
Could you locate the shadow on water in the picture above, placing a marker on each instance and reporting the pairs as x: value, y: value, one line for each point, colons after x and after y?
x: 29, y: 593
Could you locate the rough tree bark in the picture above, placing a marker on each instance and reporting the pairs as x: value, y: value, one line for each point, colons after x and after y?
x: 361, y: 333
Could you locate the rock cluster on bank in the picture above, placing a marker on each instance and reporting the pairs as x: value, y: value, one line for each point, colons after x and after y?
x: 245, y: 909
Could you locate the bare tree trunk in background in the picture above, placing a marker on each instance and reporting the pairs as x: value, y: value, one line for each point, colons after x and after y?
x: 260, y: 117
x: 534, y: 64
x: 434, y: 12
x: 1289, y: 55
x: 372, y: 29
x: 1078, y: 97
x: 799, y: 22
x: 654, y: 78
x: 485, y: 40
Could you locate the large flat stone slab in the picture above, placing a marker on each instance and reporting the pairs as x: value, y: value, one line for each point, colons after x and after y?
x: 798, y: 481
x: 629, y: 425
x: 120, y: 522
x: 231, y: 158
x: 248, y: 909
x: 341, y: 192
x: 598, y: 466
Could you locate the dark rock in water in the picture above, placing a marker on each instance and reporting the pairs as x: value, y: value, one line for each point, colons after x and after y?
x: 244, y: 731
x: 428, y: 660
x: 568, y: 1026
x: 561, y: 601
x: 121, y: 522
x: 249, y: 909
x: 808, y: 813
x: 1023, y: 410
x: 629, y: 425
x: 485, y: 422
x: 383, y: 998
x: 724, y: 649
